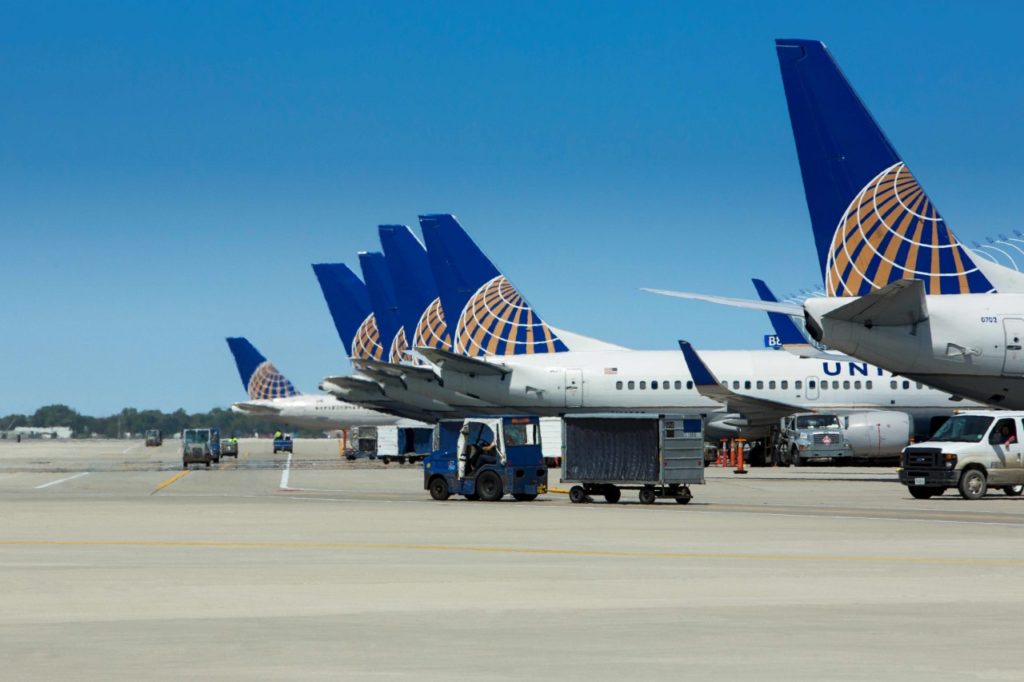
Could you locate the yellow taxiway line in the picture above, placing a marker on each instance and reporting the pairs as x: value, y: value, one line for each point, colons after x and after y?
x: 609, y: 553
x: 176, y: 477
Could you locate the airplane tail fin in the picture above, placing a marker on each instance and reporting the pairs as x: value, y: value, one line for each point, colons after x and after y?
x: 390, y: 333
x: 492, y: 317
x: 787, y: 331
x: 872, y: 221
x: 419, y: 304
x: 259, y: 377
x: 349, y: 304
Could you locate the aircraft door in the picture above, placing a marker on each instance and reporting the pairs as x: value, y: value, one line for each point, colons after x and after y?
x: 574, y: 388
x: 811, y: 388
x: 1013, y: 363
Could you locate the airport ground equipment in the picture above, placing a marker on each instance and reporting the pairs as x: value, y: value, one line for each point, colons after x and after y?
x: 283, y: 444
x: 658, y: 455
x: 811, y: 435
x: 391, y: 443
x: 154, y: 438
x: 455, y: 468
x: 972, y: 452
x: 200, y: 446
x: 229, y: 448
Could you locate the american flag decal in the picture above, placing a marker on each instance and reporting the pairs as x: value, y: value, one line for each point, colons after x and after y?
x: 611, y: 370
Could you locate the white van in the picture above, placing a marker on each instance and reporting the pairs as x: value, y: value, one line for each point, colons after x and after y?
x: 972, y: 452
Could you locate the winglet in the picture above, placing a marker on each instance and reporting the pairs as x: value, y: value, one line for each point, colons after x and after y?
x: 702, y: 375
x: 785, y: 329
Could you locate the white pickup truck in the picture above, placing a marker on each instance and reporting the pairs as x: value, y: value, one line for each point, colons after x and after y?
x: 972, y: 452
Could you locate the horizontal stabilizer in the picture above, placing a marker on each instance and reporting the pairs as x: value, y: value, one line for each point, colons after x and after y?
x: 396, y: 370
x: 256, y: 409
x: 899, y: 303
x: 356, y: 385
x: 463, y: 364
x: 765, y: 306
x: 755, y: 411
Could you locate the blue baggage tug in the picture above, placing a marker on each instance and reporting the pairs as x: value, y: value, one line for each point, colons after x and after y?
x: 486, y: 458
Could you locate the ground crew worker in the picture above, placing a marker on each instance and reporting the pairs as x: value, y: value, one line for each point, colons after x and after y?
x: 277, y: 435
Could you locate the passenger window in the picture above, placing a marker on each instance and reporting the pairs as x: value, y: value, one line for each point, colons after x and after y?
x: 771, y: 385
x: 824, y: 386
x: 810, y: 384
x: 784, y: 384
x: 798, y: 385
x: 846, y: 385
x: 867, y: 384
x: 892, y: 384
x: 919, y: 386
x: 632, y: 385
x: 856, y: 385
x: 906, y: 385
x: 654, y: 385
x: 679, y: 385
x: 618, y: 385
x: 664, y: 385
x: 735, y: 385
x: 689, y: 384
x: 643, y: 385
x: 746, y: 384
x: 1003, y: 433
x: 760, y: 385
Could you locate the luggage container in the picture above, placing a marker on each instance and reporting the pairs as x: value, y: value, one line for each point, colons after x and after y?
x: 659, y: 455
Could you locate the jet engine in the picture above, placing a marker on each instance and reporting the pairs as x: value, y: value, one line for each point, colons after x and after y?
x: 877, y: 434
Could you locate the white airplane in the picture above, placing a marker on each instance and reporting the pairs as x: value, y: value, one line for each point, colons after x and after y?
x: 902, y: 291
x: 272, y: 396
x: 503, y: 354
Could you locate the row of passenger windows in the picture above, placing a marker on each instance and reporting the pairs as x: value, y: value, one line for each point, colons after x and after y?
x: 824, y: 384
x: 665, y: 385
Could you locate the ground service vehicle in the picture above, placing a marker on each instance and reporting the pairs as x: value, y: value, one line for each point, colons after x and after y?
x: 486, y: 458
x: 283, y: 444
x: 229, y: 448
x: 154, y: 438
x: 659, y: 455
x: 809, y: 435
x: 200, y: 446
x: 390, y: 443
x: 971, y: 452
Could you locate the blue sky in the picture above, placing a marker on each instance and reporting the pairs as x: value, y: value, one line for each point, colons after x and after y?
x: 168, y: 171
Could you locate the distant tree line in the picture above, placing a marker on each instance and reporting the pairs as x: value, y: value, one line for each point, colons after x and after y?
x: 137, y: 422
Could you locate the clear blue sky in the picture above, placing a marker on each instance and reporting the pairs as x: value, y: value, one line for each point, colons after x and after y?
x: 168, y: 171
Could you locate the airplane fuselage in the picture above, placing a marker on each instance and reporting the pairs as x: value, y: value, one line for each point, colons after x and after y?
x: 319, y: 412
x: 971, y: 345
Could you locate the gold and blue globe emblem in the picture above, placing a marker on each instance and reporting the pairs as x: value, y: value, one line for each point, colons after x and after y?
x: 399, y: 352
x: 432, y: 330
x: 366, y: 343
x: 891, y: 231
x: 498, y: 321
x: 267, y: 382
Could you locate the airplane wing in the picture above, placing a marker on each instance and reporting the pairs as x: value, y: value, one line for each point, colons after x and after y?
x: 765, y: 306
x: 756, y: 411
x: 463, y: 364
x: 897, y: 304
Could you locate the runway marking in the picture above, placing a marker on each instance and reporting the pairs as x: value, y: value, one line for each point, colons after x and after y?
x: 607, y: 553
x: 285, y: 473
x: 176, y: 477
x: 62, y: 480
x: 130, y: 448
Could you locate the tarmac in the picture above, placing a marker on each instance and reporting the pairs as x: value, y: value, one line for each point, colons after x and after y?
x: 116, y: 564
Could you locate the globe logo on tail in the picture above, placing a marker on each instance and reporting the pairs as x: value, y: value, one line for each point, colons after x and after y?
x: 891, y: 231
x: 366, y: 343
x: 399, y: 352
x: 498, y: 321
x: 267, y: 382
x: 432, y: 330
